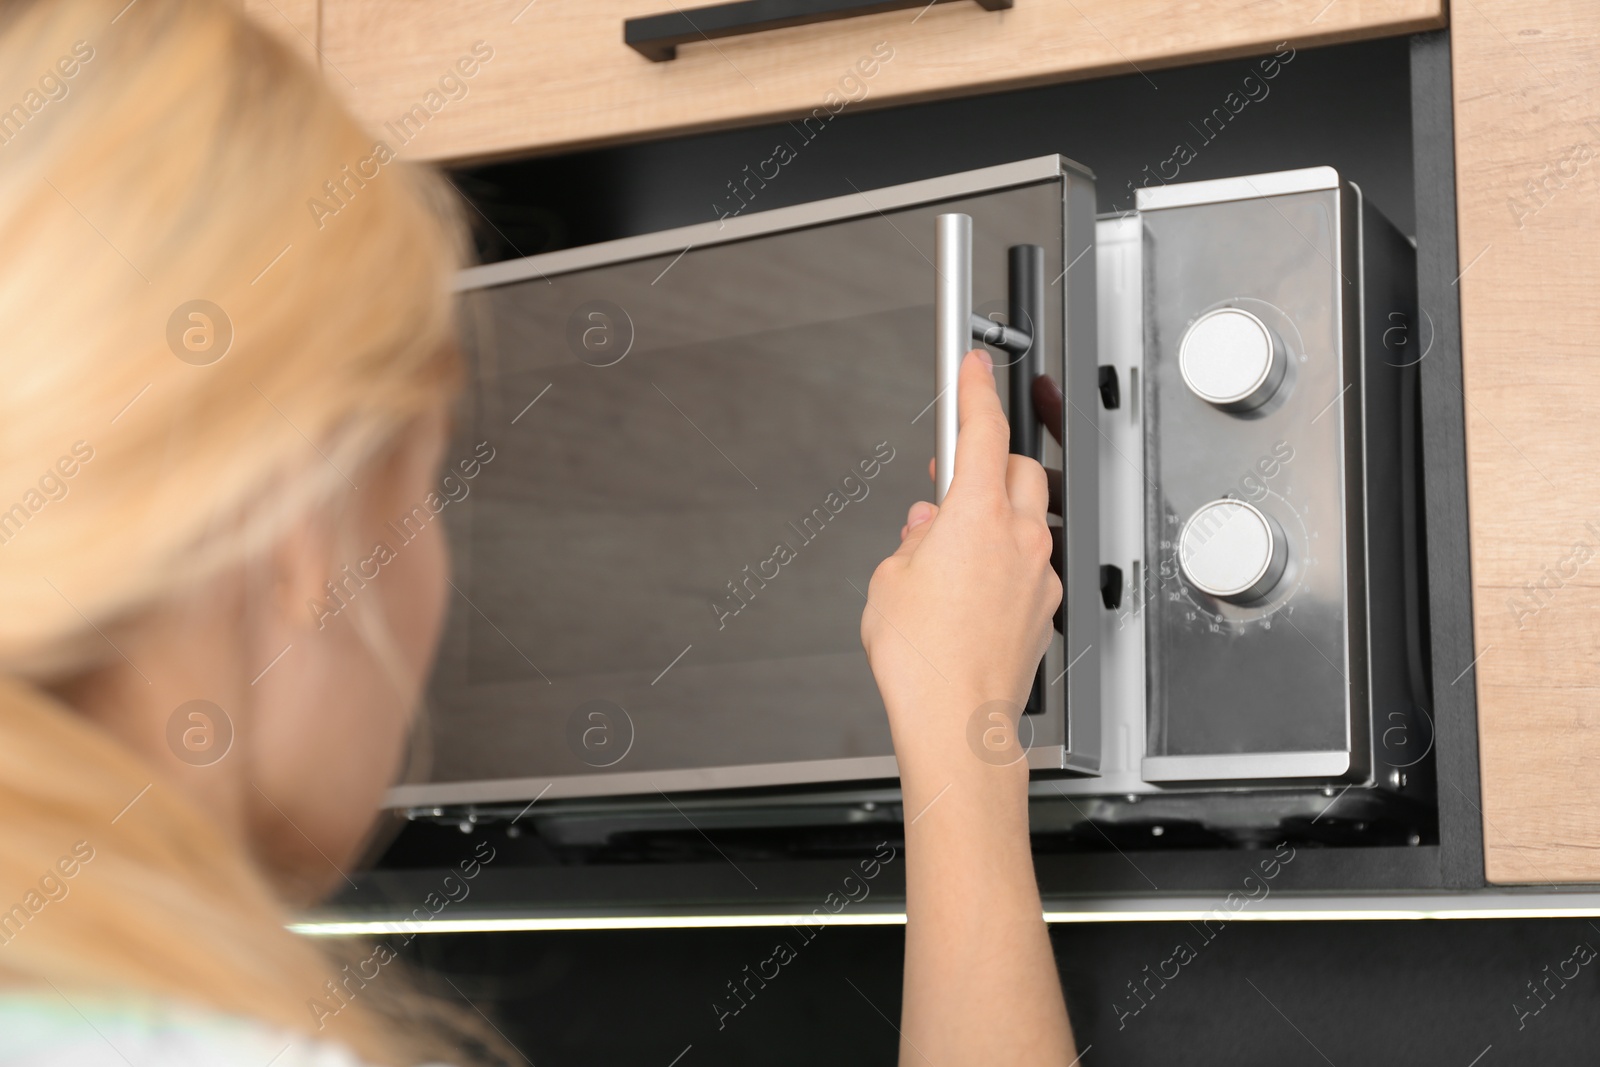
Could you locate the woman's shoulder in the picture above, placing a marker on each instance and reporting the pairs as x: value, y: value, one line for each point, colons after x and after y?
x: 36, y: 1030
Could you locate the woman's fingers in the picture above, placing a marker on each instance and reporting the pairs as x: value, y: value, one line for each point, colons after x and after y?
x: 1052, y: 479
x: 1027, y: 486
x: 919, y: 520
x: 985, y: 436
x: 1048, y: 404
x: 984, y: 441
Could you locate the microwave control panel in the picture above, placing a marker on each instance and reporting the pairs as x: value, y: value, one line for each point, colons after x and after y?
x: 1251, y: 491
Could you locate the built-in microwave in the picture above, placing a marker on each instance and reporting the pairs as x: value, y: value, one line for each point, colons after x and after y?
x: 691, y: 448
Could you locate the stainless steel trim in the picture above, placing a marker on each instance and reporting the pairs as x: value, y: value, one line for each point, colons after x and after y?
x: 1282, y: 906
x: 689, y: 779
x: 757, y: 224
x: 952, y: 337
x: 1119, y: 252
x: 1353, y: 530
x: 1080, y: 471
x: 1359, y: 734
x: 1252, y: 766
x: 1220, y: 190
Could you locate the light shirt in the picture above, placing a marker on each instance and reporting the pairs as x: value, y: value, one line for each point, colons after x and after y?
x: 47, y: 1031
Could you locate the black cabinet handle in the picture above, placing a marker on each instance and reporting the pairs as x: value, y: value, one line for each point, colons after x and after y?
x: 657, y: 37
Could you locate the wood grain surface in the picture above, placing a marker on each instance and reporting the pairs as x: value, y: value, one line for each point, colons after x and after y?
x: 560, y: 76
x: 1527, y: 97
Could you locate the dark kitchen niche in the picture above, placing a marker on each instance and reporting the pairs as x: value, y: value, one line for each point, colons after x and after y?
x: 1378, y: 111
x: 1344, y: 107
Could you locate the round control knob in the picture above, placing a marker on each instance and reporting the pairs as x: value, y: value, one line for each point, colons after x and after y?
x: 1231, y: 359
x: 1233, y: 551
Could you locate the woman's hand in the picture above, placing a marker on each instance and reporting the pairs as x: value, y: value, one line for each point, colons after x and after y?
x: 958, y: 618
x: 1048, y: 407
x: 955, y: 625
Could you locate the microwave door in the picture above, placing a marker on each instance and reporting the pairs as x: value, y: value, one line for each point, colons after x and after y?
x: 678, y: 461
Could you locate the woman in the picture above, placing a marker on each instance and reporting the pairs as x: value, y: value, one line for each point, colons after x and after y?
x: 213, y: 399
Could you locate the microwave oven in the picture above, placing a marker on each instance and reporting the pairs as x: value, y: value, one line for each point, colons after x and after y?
x: 689, y: 450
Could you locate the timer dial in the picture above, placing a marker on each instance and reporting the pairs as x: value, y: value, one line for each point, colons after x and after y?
x: 1233, y: 551
x: 1231, y: 359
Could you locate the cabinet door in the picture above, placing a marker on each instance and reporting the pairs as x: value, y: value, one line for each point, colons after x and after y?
x: 689, y: 451
x: 550, y: 74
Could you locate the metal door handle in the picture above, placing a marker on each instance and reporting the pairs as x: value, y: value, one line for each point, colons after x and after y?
x: 952, y: 336
x: 956, y: 328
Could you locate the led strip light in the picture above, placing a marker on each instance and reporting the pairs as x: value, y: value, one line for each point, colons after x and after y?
x: 1390, y: 907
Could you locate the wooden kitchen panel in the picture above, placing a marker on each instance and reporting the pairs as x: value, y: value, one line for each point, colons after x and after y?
x: 1527, y: 99
x: 1547, y: 837
x: 554, y: 74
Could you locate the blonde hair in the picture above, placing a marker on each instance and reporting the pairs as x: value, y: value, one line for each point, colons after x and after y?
x: 154, y: 155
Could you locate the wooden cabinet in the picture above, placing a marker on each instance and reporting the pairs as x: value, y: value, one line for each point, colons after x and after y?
x: 1527, y: 75
x: 555, y: 74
